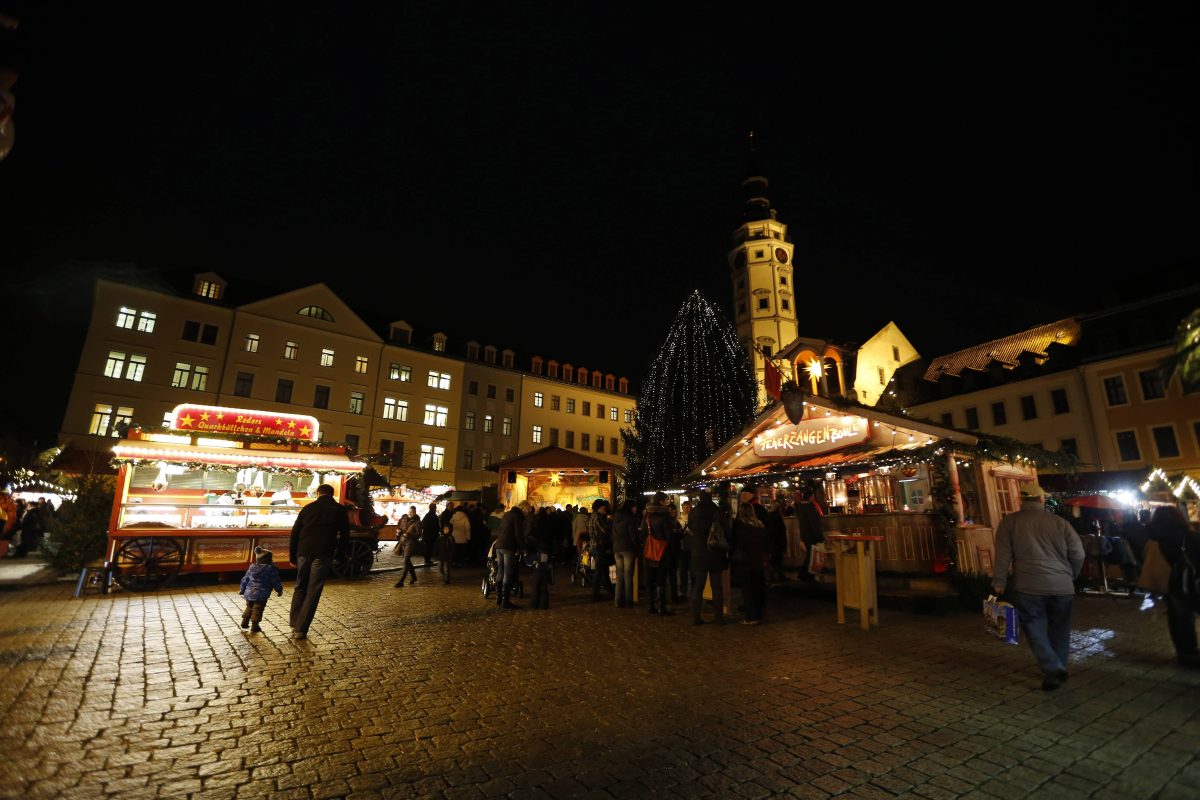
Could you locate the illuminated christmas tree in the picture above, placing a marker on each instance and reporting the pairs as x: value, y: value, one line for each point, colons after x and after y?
x: 700, y: 393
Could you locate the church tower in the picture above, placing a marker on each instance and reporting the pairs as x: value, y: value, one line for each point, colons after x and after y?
x: 760, y: 268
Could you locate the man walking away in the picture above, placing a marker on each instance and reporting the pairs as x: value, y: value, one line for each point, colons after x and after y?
x: 321, y: 528
x: 1046, y: 555
x: 431, y: 528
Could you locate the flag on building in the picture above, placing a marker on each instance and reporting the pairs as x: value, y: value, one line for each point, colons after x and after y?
x: 772, y: 379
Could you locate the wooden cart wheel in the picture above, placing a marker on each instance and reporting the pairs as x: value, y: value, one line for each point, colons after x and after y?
x: 355, y: 562
x: 147, y: 564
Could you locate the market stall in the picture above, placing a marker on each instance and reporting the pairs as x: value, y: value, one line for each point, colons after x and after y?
x: 202, y: 495
x: 553, y: 476
x: 934, y: 494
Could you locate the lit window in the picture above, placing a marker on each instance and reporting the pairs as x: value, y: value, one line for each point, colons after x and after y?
x: 612, y: 413
x: 200, y: 379
x: 506, y: 427
x: 209, y: 289
x: 360, y: 364
x: 315, y: 312
x: 436, y: 415
x: 432, y: 457
x: 291, y: 350
x: 537, y: 400
x: 137, y: 364
x: 399, y: 372
x: 251, y: 343
x: 115, y: 364
x: 469, y: 421
x: 326, y: 357
x: 489, y: 423
x: 628, y: 415
x: 439, y: 344
x: 485, y: 458
x: 106, y: 422
x: 395, y: 409
x: 537, y: 434
x: 126, y: 317
x: 356, y: 402
x: 439, y: 380
x: 146, y: 320
x: 183, y: 372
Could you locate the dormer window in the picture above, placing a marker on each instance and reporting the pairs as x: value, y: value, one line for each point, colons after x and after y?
x: 597, y: 379
x: 507, y: 358
x: 316, y: 312
x: 624, y: 384
x: 439, y: 342
x: 473, y: 350
x: 568, y: 372
x: 583, y: 375
x: 609, y: 382
x: 536, y: 365
x: 489, y: 354
x: 552, y: 368
x: 209, y: 285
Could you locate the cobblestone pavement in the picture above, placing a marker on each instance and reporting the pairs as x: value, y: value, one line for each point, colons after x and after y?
x: 431, y: 691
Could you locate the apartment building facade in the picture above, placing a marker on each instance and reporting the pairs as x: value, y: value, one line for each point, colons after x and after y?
x: 424, y: 416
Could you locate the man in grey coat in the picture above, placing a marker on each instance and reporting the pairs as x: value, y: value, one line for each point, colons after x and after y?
x: 1046, y: 555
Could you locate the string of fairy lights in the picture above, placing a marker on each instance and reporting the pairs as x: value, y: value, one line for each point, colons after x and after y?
x: 700, y: 392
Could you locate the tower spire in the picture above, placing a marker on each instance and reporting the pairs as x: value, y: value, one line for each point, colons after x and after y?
x: 754, y: 187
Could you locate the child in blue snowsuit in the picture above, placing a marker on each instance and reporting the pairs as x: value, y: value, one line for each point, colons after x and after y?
x: 256, y: 587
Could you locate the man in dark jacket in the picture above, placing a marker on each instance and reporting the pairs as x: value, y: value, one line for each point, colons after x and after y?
x: 509, y: 544
x: 708, y: 563
x: 321, y: 528
x: 431, y: 527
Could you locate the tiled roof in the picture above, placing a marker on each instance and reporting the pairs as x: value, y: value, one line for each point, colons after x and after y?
x: 1007, y: 350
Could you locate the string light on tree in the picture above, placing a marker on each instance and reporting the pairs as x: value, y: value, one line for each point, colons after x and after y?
x: 700, y: 392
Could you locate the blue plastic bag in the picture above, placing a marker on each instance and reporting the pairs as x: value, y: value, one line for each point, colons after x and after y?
x: 1000, y: 619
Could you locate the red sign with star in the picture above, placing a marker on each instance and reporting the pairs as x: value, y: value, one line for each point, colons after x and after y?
x: 217, y: 419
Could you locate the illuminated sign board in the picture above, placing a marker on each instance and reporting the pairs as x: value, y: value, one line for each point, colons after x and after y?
x: 216, y: 419
x: 812, y: 437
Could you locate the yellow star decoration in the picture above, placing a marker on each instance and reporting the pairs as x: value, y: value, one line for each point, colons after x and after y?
x: 186, y: 422
x: 306, y: 430
x: 204, y: 417
x: 291, y: 423
x: 220, y: 416
x: 278, y: 422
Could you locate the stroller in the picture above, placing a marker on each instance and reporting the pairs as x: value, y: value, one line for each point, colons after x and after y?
x: 491, y: 576
x: 584, y: 566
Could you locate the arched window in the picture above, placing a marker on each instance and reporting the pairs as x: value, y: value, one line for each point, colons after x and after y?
x: 583, y: 375
x: 316, y: 312
x: 597, y: 379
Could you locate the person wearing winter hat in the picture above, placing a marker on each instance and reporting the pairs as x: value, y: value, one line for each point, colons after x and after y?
x: 256, y: 588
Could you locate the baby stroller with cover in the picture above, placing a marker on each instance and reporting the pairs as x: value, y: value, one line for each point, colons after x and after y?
x: 491, y: 576
x: 584, y: 566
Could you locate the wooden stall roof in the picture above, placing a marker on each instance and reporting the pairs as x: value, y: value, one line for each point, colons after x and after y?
x: 553, y: 458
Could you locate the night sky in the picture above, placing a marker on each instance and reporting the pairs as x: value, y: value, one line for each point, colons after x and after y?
x: 557, y: 180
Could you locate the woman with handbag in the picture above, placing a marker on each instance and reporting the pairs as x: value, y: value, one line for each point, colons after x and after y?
x: 1169, y: 528
x: 656, y: 527
x: 710, y: 555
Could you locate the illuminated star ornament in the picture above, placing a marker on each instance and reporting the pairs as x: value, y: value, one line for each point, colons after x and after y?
x: 186, y: 421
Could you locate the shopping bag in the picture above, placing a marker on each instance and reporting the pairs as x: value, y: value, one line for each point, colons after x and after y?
x: 1155, y: 569
x: 1000, y: 619
x: 612, y: 572
x: 820, y: 559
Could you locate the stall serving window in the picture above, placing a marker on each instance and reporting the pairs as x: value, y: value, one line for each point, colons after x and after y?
x: 865, y: 493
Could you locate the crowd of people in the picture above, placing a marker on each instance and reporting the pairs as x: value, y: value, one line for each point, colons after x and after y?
x: 23, y: 523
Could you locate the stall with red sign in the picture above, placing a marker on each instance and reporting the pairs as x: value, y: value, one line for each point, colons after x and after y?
x: 202, y: 494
